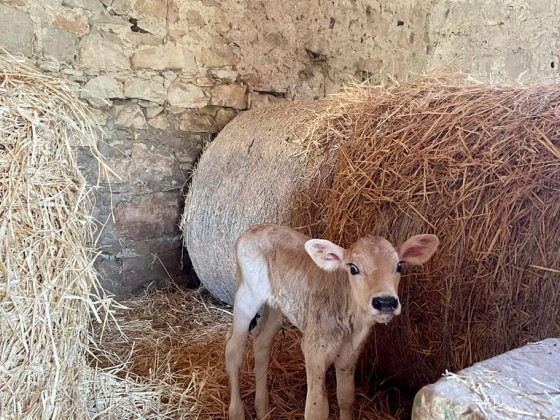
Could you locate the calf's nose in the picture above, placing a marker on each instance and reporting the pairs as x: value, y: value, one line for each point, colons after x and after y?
x: 385, y: 303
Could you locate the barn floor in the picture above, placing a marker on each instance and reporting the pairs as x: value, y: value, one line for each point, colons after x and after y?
x: 176, y: 344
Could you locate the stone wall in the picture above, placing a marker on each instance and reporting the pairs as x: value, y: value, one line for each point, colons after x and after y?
x: 164, y: 76
x: 506, y: 41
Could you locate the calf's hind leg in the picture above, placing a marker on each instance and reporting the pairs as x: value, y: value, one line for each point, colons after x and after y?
x: 243, y: 312
x: 268, y: 326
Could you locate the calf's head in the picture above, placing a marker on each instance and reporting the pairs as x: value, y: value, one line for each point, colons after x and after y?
x: 373, y: 266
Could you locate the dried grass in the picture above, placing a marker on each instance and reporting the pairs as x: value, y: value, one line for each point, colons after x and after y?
x: 479, y: 166
x: 177, y: 340
x: 49, y: 295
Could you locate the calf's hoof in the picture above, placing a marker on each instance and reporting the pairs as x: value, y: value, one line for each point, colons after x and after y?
x: 236, y: 412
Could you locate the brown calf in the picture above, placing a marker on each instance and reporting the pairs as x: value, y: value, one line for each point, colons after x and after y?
x: 333, y: 295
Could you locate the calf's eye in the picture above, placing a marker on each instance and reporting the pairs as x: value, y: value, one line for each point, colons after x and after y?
x: 399, y: 267
x: 354, y: 270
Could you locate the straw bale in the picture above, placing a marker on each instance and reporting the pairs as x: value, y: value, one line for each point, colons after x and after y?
x: 49, y: 294
x: 479, y: 166
x: 250, y: 174
x: 178, y: 342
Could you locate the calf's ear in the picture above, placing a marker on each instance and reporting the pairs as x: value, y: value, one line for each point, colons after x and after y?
x: 418, y: 249
x: 325, y: 254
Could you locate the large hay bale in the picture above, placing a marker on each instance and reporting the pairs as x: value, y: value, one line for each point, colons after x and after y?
x: 250, y: 174
x: 479, y: 166
x: 476, y: 164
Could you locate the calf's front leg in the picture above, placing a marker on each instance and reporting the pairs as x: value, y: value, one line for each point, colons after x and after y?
x: 345, y: 365
x: 316, y: 403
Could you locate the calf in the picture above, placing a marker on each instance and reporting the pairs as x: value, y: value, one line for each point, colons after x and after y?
x: 333, y: 295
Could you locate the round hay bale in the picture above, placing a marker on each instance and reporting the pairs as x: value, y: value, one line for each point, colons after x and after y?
x: 251, y: 174
x: 479, y: 166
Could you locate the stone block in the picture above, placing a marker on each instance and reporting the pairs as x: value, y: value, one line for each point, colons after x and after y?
x: 225, y: 75
x: 153, y: 111
x: 93, y: 5
x: 522, y: 383
x: 187, y: 95
x: 197, y: 122
x: 146, y: 89
x: 143, y: 39
x: 160, y: 122
x: 50, y: 66
x: 223, y: 116
x: 102, y: 54
x: 72, y: 22
x: 152, y: 8
x: 130, y: 116
x: 218, y: 56
x: 149, y: 216
x: 232, y: 96
x: 149, y: 166
x: 99, y: 90
x: 17, y: 30
x: 108, y: 22
x: 60, y: 44
x: 165, y: 57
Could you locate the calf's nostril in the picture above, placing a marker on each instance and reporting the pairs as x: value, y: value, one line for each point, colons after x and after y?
x: 385, y: 304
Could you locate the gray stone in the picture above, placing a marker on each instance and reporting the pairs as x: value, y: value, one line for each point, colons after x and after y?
x: 60, y: 44
x: 130, y: 116
x: 165, y: 57
x: 224, y: 116
x: 93, y: 5
x: 232, y: 96
x: 226, y: 75
x: 143, y: 39
x: 99, y: 90
x: 197, y: 122
x: 147, y: 89
x: 257, y: 100
x: 187, y: 95
x: 108, y: 21
x: 160, y: 122
x: 149, y: 216
x: 17, y: 30
x: 149, y: 165
x: 522, y: 383
x: 102, y: 54
x: 50, y: 67
x: 153, y: 111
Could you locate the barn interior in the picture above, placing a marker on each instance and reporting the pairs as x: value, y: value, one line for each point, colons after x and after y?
x: 140, y: 138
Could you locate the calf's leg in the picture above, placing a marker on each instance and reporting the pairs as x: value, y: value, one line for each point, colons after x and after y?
x: 268, y: 326
x: 316, y: 403
x: 345, y: 365
x: 244, y: 311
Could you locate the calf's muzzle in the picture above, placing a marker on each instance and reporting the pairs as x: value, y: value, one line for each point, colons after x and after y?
x: 385, y: 303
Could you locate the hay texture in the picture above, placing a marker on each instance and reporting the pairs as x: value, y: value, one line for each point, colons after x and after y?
x: 250, y: 174
x: 479, y: 166
x: 49, y: 294
x: 179, y: 343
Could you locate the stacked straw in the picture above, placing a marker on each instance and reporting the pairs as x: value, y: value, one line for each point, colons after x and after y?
x: 179, y: 344
x: 48, y: 289
x: 479, y: 166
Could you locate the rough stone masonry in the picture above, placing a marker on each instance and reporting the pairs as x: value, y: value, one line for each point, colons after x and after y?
x: 164, y: 76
